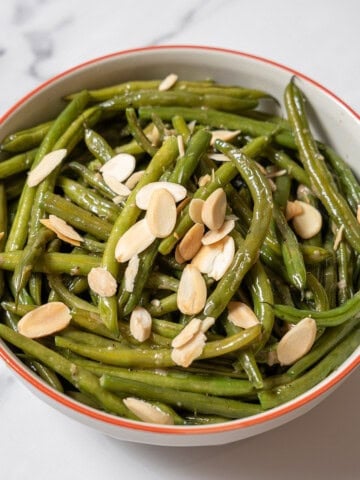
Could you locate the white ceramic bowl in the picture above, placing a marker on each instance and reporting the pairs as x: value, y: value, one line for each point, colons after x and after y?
x: 332, y: 121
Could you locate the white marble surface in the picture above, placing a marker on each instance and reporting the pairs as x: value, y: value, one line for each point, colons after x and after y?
x: 40, y: 38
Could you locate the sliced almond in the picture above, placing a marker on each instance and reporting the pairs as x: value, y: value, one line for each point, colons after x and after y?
x: 204, y: 180
x: 120, y: 167
x: 134, y: 179
x: 297, y: 342
x: 187, y: 333
x: 45, y: 320
x: 225, y: 135
x: 134, y: 241
x: 154, y: 136
x: 161, y: 213
x: 195, y: 210
x: 293, y: 209
x: 178, y: 257
x: 219, y: 157
x: 215, y: 259
x: 2, y: 235
x: 338, y: 237
x: 241, y: 315
x: 214, y: 209
x: 140, y: 324
x: 144, y: 194
x: 130, y: 273
x: 191, y: 295
x: 102, y: 282
x: 48, y: 163
x: 188, y: 352
x: 168, y: 82
x: 46, y: 222
x: 358, y: 214
x: 191, y: 126
x: 63, y: 231
x: 181, y: 147
x: 276, y: 173
x: 207, y: 323
x: 213, y: 236
x: 191, y: 242
x: 116, y: 186
x: 309, y: 222
x: 147, y: 412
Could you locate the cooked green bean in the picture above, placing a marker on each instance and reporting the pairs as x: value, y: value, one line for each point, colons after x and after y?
x: 25, y: 139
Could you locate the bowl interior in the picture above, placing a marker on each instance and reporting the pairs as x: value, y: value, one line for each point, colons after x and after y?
x: 331, y: 120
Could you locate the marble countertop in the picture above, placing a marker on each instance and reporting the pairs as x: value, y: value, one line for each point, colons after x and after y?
x: 40, y: 38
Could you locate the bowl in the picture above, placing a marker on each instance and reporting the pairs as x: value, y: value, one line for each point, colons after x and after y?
x: 332, y: 121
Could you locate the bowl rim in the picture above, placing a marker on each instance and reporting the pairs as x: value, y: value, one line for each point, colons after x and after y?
x: 97, y: 415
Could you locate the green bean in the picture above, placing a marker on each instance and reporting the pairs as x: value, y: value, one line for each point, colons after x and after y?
x: 284, y: 393
x: 283, y: 161
x: 17, y: 164
x: 47, y: 374
x: 160, y: 281
x: 282, y: 192
x: 85, y: 381
x: 138, y: 133
x: 128, y: 216
x: 181, y: 128
x: 321, y: 300
x: 35, y: 287
x: 68, y: 298
x: 320, y: 178
x: 98, y: 146
x: 291, y: 253
x: 25, y: 139
x: 164, y: 306
x: 3, y: 230
x: 195, y: 402
x: 329, y: 318
x: 93, y: 179
x: 344, y: 284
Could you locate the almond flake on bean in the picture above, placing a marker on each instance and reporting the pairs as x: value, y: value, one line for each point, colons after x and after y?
x: 309, y: 222
x: 241, y: 315
x: 178, y: 257
x: 140, y: 324
x: 297, y: 342
x: 144, y: 194
x: 154, y: 136
x: 338, y: 237
x: 192, y: 292
x: 213, y: 236
x: 168, y: 82
x: 120, y: 167
x: 204, y: 180
x: 214, y: 209
x: 131, y: 272
x: 48, y: 163
x: 2, y: 235
x: 134, y: 241
x: 195, y: 210
x: 191, y: 350
x: 358, y: 214
x: 215, y: 259
x: 181, y: 147
x: 117, y: 187
x: 191, y: 242
x: 45, y: 320
x: 62, y: 230
x: 102, y: 282
x: 134, y: 179
x: 219, y: 157
x: 161, y: 213
x: 147, y: 412
x: 293, y: 209
x: 187, y: 333
x: 225, y: 135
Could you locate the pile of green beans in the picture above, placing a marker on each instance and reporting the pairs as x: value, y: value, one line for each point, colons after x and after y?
x: 281, y: 277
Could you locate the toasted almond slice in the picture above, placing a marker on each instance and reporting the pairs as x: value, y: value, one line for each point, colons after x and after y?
x: 147, y: 412
x: 195, y: 210
x: 187, y: 333
x: 191, y: 295
x: 156, y: 302
x: 48, y: 163
x: 339, y: 237
x: 140, y: 324
x: 102, y: 282
x: 131, y: 272
x: 191, y: 242
x: 181, y: 147
x: 276, y: 173
x: 168, y: 82
x: 62, y: 227
x: 309, y: 222
x: 191, y: 126
x: 241, y: 315
x: 216, y: 258
x: 2, y: 235
x: 120, y: 167
x: 178, y: 258
x: 134, y: 241
x: 297, y: 342
x: 161, y: 213
x: 272, y: 358
x: 187, y: 353
x: 214, y: 209
x: 219, y: 157
x: 204, y: 180
x: 116, y: 186
x: 144, y: 194
x: 46, y: 222
x: 118, y: 199
x: 207, y: 323
x: 213, y: 236
x: 154, y: 136
x: 225, y: 135
x: 133, y: 180
x: 293, y: 209
x: 358, y: 214
x: 45, y: 320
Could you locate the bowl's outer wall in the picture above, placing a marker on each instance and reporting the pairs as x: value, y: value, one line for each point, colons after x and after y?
x: 333, y: 122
